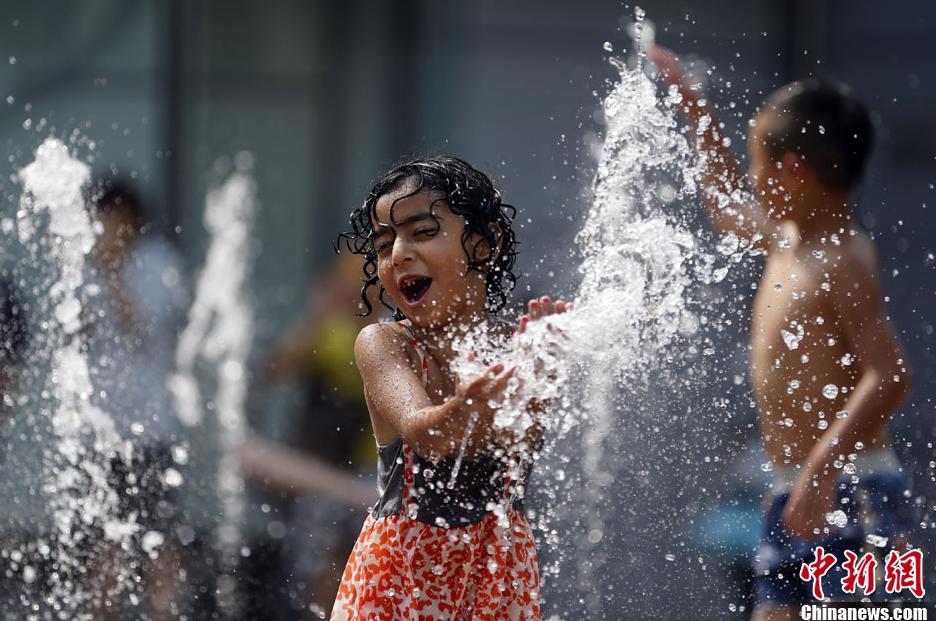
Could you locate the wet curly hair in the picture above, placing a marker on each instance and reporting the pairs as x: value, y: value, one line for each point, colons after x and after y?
x: 468, y: 193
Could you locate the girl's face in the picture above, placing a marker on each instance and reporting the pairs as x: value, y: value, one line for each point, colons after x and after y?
x: 421, y: 262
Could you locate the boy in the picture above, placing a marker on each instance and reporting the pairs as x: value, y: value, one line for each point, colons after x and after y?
x: 827, y: 369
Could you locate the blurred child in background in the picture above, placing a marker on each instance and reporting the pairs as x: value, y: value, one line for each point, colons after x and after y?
x: 828, y: 370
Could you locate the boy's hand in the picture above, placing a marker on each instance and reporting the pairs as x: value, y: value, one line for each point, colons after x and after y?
x: 809, y: 504
x: 539, y: 308
x: 671, y: 70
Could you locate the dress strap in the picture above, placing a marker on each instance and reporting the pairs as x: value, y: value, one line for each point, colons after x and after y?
x: 420, y: 351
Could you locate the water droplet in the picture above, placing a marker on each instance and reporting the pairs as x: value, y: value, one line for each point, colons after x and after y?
x: 837, y: 518
x: 607, y: 46
x: 830, y: 391
x: 823, y: 424
x: 790, y: 339
x: 766, y: 466
x: 859, y: 445
x: 728, y: 244
x: 152, y: 540
x: 876, y: 540
x: 172, y: 477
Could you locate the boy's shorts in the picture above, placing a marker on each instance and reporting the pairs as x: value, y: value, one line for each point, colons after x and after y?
x: 878, y: 504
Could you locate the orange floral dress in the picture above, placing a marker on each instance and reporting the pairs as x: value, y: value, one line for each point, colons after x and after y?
x: 405, y: 569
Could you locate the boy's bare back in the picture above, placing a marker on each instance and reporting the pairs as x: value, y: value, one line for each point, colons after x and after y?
x: 804, y: 354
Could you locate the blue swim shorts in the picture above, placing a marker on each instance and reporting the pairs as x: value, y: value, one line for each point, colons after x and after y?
x: 878, y: 506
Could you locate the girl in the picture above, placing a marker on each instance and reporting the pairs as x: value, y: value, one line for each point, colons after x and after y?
x: 448, y: 538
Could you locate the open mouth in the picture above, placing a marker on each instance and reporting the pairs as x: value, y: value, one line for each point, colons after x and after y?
x: 414, y: 288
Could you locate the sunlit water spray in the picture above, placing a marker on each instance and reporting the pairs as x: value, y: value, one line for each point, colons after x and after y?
x: 640, y: 266
x: 56, y: 229
x: 219, y: 333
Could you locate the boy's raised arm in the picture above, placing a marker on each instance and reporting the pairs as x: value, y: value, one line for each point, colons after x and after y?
x: 730, y: 208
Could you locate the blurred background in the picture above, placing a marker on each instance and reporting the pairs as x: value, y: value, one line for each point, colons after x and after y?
x: 326, y: 96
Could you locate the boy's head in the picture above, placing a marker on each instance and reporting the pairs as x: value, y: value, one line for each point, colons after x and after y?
x: 455, y: 198
x: 120, y: 211
x: 815, y: 124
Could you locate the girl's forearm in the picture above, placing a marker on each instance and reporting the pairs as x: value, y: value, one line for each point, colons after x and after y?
x: 450, y: 428
x: 437, y: 429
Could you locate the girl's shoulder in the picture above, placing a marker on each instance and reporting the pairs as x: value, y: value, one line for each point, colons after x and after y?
x: 382, y: 341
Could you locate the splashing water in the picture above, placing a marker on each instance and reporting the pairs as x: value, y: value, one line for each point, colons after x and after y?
x: 219, y: 332
x: 56, y: 229
x: 639, y: 266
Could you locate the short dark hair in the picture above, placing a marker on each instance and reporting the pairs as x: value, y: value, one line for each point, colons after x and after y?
x: 468, y: 193
x: 824, y: 122
x: 120, y: 197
